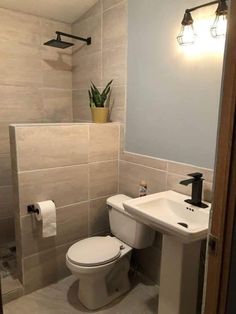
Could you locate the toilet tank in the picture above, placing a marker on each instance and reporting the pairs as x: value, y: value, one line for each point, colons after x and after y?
x: 124, y: 227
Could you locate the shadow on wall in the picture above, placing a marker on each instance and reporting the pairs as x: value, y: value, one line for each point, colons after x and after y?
x: 58, y: 64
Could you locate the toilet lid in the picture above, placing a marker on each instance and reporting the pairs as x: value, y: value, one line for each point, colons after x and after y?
x: 94, y: 251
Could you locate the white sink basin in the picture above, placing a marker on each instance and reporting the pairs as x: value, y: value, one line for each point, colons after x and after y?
x: 166, y: 211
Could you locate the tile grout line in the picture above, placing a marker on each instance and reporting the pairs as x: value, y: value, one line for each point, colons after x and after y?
x: 114, y: 6
x: 141, y: 165
x: 66, y: 166
x: 101, y: 43
x: 89, y: 200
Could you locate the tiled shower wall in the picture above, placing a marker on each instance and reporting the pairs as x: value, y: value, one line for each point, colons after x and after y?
x: 76, y: 165
x: 35, y: 86
x: 104, y: 60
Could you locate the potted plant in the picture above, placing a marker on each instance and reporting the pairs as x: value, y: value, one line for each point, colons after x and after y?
x: 99, y: 103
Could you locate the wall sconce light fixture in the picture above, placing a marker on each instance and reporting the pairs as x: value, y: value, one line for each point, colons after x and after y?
x: 220, y: 24
x: 187, y: 35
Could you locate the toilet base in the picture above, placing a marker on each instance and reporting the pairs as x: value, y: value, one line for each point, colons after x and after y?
x: 99, y: 291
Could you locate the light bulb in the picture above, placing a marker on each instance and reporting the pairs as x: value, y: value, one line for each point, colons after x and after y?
x: 187, y: 35
x: 220, y: 26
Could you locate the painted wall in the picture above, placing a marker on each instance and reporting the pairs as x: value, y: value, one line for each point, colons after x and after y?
x: 35, y: 86
x: 79, y: 178
x: 173, y: 91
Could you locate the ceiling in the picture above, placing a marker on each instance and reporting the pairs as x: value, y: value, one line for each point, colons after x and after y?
x: 61, y: 10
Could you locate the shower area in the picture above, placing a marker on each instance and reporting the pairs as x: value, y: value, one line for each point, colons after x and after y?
x: 47, y: 66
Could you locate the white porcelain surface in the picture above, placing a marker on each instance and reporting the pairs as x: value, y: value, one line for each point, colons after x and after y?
x: 101, y: 284
x: 83, y: 253
x: 124, y: 227
x: 163, y: 211
x: 106, y: 277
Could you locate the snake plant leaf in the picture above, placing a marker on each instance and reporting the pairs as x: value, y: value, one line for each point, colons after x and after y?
x: 104, y: 96
x: 91, y: 102
x: 107, y: 89
x: 96, y: 98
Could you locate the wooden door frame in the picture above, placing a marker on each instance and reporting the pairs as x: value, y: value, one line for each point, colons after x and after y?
x: 223, y: 206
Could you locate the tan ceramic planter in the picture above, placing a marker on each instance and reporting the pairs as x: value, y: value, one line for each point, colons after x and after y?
x: 99, y: 115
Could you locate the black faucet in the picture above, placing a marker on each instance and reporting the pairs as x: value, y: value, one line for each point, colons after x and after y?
x: 196, y: 182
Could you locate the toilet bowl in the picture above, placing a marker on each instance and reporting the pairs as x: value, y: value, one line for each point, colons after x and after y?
x: 102, y: 263
x: 102, y: 266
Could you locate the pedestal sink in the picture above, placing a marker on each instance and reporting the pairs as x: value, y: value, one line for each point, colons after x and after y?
x: 183, y: 227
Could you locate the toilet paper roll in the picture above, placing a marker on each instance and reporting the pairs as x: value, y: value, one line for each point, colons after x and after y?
x: 47, y: 214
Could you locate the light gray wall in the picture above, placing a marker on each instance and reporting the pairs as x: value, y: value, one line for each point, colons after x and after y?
x: 173, y: 92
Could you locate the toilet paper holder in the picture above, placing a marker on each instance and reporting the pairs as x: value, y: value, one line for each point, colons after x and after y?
x: 32, y: 209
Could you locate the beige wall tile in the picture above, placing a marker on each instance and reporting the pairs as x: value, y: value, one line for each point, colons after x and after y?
x: 131, y: 174
x: 103, y: 178
x: 7, y: 230
x: 57, y: 79
x: 93, y: 11
x: 114, y: 65
x: 11, y: 289
x: 23, y: 62
x: 6, y: 209
x: 173, y: 184
x: 51, y: 146
x: 160, y: 164
x: 72, y: 225
x: 18, y: 238
x: 48, y: 28
x: 20, y: 104
x: 86, y: 68
x: 107, y: 4
x: 19, y: 26
x: 208, y: 191
x: 45, y: 268
x: 20, y: 64
x: 149, y: 259
x: 122, y: 139
x: 184, y: 169
x: 115, y: 26
x: 98, y: 216
x: 149, y: 263
x: 56, y: 67
x: 90, y: 27
x: 81, y: 109
x: 4, y: 138
x: 13, y: 153
x: 5, y: 170
x: 65, y: 186
x: 103, y: 142
x: 57, y: 105
x: 117, y: 104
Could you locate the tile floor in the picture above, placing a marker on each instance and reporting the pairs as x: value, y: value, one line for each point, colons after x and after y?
x: 61, y: 298
x: 11, y: 286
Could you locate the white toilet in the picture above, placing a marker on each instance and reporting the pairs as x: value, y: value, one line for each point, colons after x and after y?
x: 102, y: 263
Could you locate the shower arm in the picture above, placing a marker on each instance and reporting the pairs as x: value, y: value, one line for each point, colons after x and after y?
x: 87, y: 40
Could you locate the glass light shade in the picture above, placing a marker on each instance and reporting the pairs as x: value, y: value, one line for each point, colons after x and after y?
x: 220, y: 26
x: 187, y: 35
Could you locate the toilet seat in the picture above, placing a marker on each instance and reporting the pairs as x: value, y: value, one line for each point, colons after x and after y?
x: 94, y: 251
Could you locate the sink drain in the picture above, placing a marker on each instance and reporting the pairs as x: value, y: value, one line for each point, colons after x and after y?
x: 183, y: 224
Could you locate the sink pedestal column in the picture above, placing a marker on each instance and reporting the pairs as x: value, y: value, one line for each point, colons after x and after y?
x: 179, y: 276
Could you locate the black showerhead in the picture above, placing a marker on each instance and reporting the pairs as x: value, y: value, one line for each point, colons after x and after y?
x: 58, y: 43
